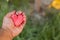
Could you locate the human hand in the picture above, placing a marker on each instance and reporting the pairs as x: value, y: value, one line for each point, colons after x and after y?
x: 8, y: 24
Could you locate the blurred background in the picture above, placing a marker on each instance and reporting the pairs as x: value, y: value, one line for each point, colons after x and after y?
x: 43, y: 18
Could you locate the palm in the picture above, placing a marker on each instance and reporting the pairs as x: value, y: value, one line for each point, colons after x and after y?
x: 8, y: 24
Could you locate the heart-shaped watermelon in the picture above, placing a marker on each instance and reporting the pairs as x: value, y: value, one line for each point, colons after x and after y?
x: 17, y: 19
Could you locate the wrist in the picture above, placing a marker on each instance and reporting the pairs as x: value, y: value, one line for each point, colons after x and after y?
x: 5, y: 34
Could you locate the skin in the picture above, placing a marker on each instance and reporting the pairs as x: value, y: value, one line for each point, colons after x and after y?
x: 37, y: 5
x: 5, y: 34
x: 9, y: 30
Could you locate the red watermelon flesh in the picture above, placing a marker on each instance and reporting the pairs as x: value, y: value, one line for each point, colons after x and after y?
x: 17, y: 19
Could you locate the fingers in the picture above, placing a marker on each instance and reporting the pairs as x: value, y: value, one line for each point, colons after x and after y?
x: 10, y: 13
x: 23, y: 24
x: 16, y: 30
x: 24, y: 16
x: 19, y: 12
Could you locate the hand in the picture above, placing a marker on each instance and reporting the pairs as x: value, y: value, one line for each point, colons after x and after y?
x: 9, y: 25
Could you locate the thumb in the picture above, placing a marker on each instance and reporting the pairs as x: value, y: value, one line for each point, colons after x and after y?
x: 10, y: 13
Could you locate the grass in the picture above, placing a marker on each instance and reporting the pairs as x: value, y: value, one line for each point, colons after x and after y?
x: 49, y: 31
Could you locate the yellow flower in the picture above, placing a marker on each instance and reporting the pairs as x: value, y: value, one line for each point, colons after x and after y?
x: 56, y: 4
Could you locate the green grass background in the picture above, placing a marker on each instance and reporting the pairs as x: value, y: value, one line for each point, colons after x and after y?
x: 49, y: 31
